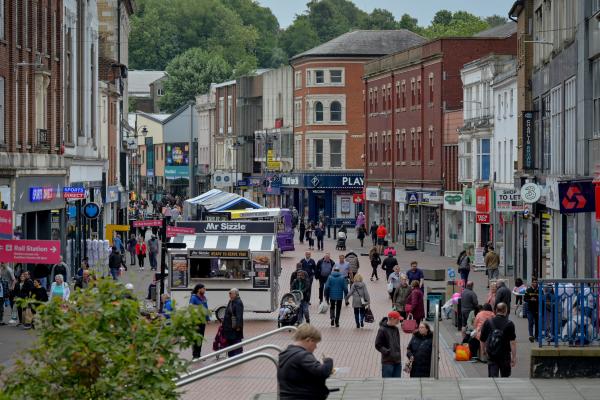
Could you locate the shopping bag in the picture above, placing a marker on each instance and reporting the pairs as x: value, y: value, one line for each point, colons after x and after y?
x: 462, y: 353
x: 323, y: 307
x: 27, y: 316
x: 409, y: 325
x: 369, y: 318
x: 390, y: 287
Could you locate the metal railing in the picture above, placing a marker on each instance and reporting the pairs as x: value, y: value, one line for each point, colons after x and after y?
x: 245, y: 342
x: 568, y: 312
x: 210, y: 370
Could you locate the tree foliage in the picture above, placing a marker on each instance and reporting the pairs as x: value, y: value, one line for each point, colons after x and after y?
x: 458, y: 24
x: 495, y: 20
x: 98, y: 346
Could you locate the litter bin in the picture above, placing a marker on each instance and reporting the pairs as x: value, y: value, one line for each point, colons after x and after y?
x: 433, y: 299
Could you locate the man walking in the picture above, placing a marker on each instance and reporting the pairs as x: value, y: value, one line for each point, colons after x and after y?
x: 387, y: 343
x: 310, y: 267
x: 503, y: 294
x: 492, y: 261
x: 335, y: 291
x: 302, y: 285
x: 344, y: 268
x: 381, y: 234
x: 114, y: 263
x: 388, y: 265
x: 153, y: 252
x: 416, y: 274
x: 531, y: 299
x: 324, y: 269
x: 319, y: 234
x: 468, y: 302
x: 500, y: 340
x: 373, y: 232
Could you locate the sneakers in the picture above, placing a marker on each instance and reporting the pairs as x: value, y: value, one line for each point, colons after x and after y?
x: 337, y: 324
x: 531, y: 339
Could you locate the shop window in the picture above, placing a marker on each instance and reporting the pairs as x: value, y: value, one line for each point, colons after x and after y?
x: 335, y: 110
x: 432, y: 225
x: 318, y: 111
x: 335, y: 148
x: 319, y: 153
x: 205, y: 268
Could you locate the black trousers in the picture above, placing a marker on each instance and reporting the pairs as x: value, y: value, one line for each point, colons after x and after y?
x: 496, y: 369
x: 197, y: 348
x: 335, y: 307
x: 374, y: 273
x: 322, y: 282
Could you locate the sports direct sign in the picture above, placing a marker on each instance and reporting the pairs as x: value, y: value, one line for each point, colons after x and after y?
x: 30, y: 251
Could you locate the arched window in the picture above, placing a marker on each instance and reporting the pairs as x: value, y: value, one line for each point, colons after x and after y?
x: 336, y: 111
x: 318, y: 111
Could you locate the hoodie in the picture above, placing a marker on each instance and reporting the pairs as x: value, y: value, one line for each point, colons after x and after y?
x: 336, y: 287
x: 301, y: 376
x: 358, y: 291
x: 387, y: 343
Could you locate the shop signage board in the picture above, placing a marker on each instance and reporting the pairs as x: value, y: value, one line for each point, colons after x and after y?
x: 483, y: 218
x: 530, y: 193
x: 508, y: 200
x: 146, y: 223
x: 73, y: 193
x: 6, y: 224
x: 576, y: 197
x: 410, y: 240
x: 219, y: 253
x: 30, y: 251
x: 412, y: 198
x: 432, y: 199
x: 179, y: 270
x: 372, y: 194
x: 41, y: 194
x: 528, y: 140
x: 400, y: 195
x: 173, y: 231
x: 358, y: 198
x: 482, y: 200
x: 453, y: 201
x: 235, y: 227
x: 261, y: 265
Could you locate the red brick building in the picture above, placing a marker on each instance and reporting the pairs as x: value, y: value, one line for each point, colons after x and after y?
x: 31, y: 164
x: 407, y: 96
x: 329, y: 121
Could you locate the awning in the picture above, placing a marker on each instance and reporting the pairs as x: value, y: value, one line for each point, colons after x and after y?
x: 217, y: 200
x: 227, y: 242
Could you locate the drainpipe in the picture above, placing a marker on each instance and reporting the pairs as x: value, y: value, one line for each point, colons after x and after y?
x: 393, y: 150
x: 422, y: 151
x: 366, y: 150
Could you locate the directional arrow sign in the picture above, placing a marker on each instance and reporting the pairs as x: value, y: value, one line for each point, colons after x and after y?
x: 30, y: 251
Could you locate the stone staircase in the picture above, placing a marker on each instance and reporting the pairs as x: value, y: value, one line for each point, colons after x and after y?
x: 460, y: 389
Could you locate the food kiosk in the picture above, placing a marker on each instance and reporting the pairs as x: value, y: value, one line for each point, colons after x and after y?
x: 224, y: 255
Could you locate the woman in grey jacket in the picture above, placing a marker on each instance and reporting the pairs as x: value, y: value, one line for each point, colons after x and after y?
x: 360, y: 299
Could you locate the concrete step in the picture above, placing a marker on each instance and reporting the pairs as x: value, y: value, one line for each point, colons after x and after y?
x: 460, y: 388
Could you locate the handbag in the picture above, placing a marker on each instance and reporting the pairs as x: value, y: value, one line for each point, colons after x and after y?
x: 462, y: 353
x: 390, y: 287
x: 369, y: 317
x: 27, y: 316
x: 363, y: 302
x: 409, y: 325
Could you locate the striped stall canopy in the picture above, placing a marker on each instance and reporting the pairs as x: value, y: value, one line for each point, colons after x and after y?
x: 227, y: 242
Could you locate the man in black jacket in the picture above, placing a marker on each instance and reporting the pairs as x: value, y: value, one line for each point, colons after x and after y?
x: 324, y: 269
x: 468, y: 302
x: 310, y: 267
x: 114, y: 263
x: 503, y: 294
x: 387, y: 343
x: 300, y: 375
x: 302, y: 285
x: 500, y: 328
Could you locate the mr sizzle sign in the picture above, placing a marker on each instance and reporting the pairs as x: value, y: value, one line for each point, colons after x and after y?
x: 219, y: 253
x: 528, y: 140
x: 233, y: 227
x: 576, y: 197
x: 508, y: 200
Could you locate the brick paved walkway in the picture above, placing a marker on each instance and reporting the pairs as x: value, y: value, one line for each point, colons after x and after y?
x: 348, y: 346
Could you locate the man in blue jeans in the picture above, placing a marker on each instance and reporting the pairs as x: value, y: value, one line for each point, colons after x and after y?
x: 387, y: 343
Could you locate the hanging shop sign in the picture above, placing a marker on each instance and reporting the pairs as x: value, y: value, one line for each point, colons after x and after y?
x: 508, y: 200
x: 482, y: 200
x: 412, y: 198
x: 483, y: 218
x: 530, y: 193
x: 372, y: 194
x: 146, y: 223
x: 6, y: 224
x: 469, y: 199
x: 576, y: 197
x: 358, y: 198
x: 173, y: 231
x: 528, y: 140
x: 73, y: 193
x: 91, y: 210
x: 453, y: 201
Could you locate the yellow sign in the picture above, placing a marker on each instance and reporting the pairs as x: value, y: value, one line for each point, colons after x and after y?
x: 272, y: 165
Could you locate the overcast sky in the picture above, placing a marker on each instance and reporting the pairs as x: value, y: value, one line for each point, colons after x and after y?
x: 423, y: 10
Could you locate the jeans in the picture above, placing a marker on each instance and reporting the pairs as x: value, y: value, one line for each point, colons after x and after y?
x: 303, y: 312
x: 532, y: 321
x: 335, y: 307
x: 132, y: 254
x: 153, y: 260
x: 114, y: 272
x: 464, y: 276
x: 320, y: 243
x: 496, y: 369
x: 197, y: 348
x: 493, y: 273
x: 322, y: 281
x: 359, y: 316
x: 391, y: 370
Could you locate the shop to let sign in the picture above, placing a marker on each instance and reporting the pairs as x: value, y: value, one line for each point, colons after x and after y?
x: 508, y: 200
x: 147, y: 223
x: 30, y: 251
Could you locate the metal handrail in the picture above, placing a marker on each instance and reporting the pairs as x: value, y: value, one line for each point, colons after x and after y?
x: 225, y: 365
x: 228, y: 361
x: 245, y: 342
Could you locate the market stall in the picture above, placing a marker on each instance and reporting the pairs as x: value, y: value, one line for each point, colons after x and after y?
x: 224, y: 255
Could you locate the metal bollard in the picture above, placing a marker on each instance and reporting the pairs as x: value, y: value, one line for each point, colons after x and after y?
x: 335, y: 231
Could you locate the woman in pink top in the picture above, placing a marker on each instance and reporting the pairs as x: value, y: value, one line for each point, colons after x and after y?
x: 491, y: 298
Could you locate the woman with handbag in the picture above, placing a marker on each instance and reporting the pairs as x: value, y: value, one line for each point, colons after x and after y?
x: 360, y: 299
x: 375, y: 261
x: 419, y: 352
x: 400, y: 295
x: 233, y: 322
x: 415, y: 300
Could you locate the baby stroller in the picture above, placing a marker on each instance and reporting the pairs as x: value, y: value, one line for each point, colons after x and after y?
x: 341, y: 241
x: 289, y: 308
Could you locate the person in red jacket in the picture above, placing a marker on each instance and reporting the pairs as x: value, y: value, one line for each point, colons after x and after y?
x: 381, y: 234
x: 415, y: 299
x: 140, y: 250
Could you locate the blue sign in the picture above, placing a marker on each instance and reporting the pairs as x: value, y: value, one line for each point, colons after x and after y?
x: 322, y: 181
x: 412, y: 197
x: 243, y: 182
x: 73, y: 192
x: 451, y: 273
x: 39, y: 194
x: 91, y: 210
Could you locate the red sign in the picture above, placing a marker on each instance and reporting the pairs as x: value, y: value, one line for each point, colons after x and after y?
x: 597, y: 191
x: 358, y: 198
x: 30, y: 251
x: 576, y: 197
x: 482, y: 200
x: 145, y: 223
x: 6, y: 224
x: 482, y: 218
x: 173, y: 231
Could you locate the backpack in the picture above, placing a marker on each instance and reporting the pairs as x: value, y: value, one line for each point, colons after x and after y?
x: 326, y: 269
x: 493, y: 344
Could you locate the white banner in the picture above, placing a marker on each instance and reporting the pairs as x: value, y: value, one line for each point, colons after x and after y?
x: 508, y: 200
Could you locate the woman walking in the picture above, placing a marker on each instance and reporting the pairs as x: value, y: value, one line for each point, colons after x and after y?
x: 233, y: 322
x: 375, y: 262
x: 302, y: 230
x: 198, y: 298
x: 309, y: 236
x: 419, y: 351
x: 415, y: 300
x: 140, y: 250
x: 360, y: 299
x: 464, y: 266
x: 362, y: 232
x: 401, y: 295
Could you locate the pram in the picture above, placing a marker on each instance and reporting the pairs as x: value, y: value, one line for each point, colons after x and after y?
x: 341, y: 241
x: 289, y: 308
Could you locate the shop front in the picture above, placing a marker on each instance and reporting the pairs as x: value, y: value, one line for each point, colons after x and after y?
x: 453, y: 223
x: 431, y: 211
x: 401, y: 210
x: 469, y: 225
x: 373, y: 198
x: 331, y: 197
x: 291, y: 192
x: 508, y: 205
